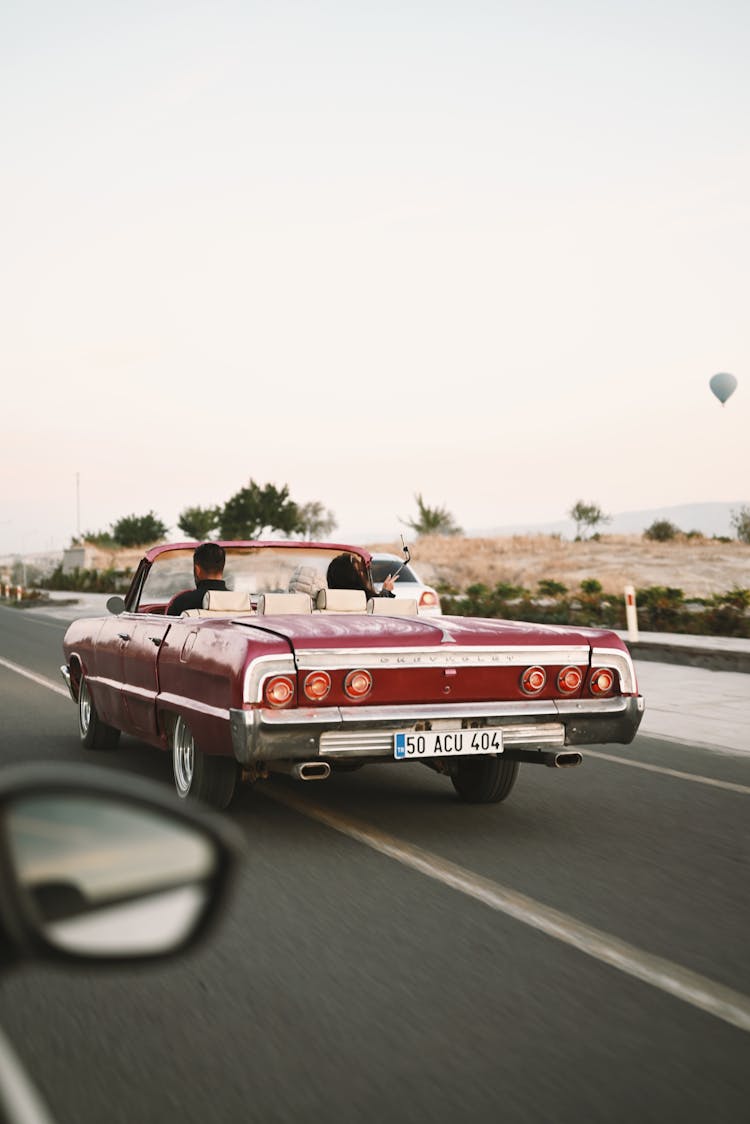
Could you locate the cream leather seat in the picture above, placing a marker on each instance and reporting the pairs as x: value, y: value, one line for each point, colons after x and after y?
x: 284, y: 603
x: 393, y: 606
x: 341, y: 601
x: 222, y: 603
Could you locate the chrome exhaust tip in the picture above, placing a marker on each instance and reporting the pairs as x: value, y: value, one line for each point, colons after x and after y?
x: 568, y: 760
x: 312, y: 771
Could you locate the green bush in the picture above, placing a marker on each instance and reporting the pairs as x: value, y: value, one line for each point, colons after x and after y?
x: 548, y: 587
x: 89, y: 581
x: 660, y: 608
x: 661, y: 530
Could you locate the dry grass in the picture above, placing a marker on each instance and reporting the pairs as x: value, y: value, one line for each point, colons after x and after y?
x: 699, y: 567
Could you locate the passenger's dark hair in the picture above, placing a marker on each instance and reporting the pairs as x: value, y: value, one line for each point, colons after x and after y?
x: 348, y: 571
x: 210, y: 557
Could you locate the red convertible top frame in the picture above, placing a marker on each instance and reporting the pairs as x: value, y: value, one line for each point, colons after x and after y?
x: 238, y: 544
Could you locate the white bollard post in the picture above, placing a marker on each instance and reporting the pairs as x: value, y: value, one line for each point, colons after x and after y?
x: 19, y: 593
x: 631, y: 614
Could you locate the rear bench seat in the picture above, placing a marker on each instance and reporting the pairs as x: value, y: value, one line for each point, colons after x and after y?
x: 393, y: 606
x: 341, y: 601
x: 222, y: 603
x: 284, y: 603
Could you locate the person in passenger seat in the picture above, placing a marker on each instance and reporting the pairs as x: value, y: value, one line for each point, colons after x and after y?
x: 208, y: 570
x: 348, y: 571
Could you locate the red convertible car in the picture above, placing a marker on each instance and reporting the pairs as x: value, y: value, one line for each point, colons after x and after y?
x: 282, y: 674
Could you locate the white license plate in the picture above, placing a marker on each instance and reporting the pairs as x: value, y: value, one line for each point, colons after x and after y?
x: 446, y: 743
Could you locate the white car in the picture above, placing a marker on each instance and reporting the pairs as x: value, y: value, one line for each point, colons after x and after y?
x: 408, y: 584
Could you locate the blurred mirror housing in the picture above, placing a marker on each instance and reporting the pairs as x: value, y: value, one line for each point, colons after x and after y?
x: 107, y: 868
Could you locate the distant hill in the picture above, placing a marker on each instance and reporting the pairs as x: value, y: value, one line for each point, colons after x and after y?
x: 708, y: 518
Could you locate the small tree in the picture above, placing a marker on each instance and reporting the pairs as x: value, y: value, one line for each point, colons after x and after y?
x: 432, y: 520
x: 253, y: 510
x: 199, y: 522
x: 587, y: 515
x: 137, y: 530
x: 741, y: 523
x: 661, y: 530
x: 315, y: 521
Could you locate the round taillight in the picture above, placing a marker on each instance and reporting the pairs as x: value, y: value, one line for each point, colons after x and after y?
x: 279, y: 690
x: 358, y: 684
x: 428, y: 598
x: 569, y: 680
x: 533, y: 680
x: 317, y: 685
x: 602, y: 681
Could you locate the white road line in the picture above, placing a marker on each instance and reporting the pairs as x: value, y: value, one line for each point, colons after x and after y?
x: 40, y: 679
x: 730, y: 786
x: 723, y: 1002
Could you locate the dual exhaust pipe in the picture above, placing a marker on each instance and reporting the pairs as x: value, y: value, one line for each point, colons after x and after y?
x: 321, y: 770
x: 553, y: 758
x: 302, y: 770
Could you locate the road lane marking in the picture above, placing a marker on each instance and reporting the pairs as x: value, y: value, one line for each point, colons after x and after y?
x: 714, y: 998
x: 41, y: 680
x: 730, y: 786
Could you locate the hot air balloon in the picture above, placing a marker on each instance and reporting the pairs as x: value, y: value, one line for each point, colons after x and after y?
x: 723, y: 386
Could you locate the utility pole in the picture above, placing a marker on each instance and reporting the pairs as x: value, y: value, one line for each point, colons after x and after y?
x: 78, y: 506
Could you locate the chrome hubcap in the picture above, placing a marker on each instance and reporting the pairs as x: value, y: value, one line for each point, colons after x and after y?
x: 84, y: 708
x: 182, y: 758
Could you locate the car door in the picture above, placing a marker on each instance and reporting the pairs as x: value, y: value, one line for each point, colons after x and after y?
x: 104, y: 671
x: 141, y: 637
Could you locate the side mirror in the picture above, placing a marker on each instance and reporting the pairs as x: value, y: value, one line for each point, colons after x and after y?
x: 116, y: 605
x: 106, y: 867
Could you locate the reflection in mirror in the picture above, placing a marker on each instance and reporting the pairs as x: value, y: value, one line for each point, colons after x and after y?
x: 109, y: 878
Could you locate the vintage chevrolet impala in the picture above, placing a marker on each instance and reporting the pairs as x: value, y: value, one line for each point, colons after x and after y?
x: 282, y: 674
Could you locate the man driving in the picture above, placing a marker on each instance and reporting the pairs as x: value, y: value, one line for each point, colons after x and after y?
x: 208, y: 570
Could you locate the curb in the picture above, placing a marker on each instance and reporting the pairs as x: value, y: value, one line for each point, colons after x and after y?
x: 713, y: 659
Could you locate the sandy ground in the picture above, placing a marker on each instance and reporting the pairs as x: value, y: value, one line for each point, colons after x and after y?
x: 699, y: 567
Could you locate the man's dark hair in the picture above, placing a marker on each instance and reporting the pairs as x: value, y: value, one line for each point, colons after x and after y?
x: 210, y: 557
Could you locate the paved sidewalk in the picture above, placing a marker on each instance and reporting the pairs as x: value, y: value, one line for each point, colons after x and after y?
x: 719, y: 653
x: 693, y: 704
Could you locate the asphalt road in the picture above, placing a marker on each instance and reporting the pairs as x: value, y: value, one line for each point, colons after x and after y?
x: 430, y: 982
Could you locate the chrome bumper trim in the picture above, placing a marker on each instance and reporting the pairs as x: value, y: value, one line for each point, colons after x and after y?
x: 65, y: 672
x: 302, y: 733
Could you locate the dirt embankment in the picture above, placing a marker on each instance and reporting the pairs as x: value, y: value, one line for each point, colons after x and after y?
x: 699, y: 567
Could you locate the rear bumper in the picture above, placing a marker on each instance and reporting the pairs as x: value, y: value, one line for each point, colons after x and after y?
x: 366, y: 733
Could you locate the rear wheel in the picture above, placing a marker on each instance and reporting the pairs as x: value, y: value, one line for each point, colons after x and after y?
x: 95, y: 734
x: 484, y: 780
x: 201, y: 776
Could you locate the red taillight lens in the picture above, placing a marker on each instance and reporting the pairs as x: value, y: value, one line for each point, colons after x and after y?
x: 358, y: 684
x: 569, y: 680
x: 279, y: 691
x: 533, y: 680
x: 427, y: 599
x: 317, y: 685
x: 602, y: 681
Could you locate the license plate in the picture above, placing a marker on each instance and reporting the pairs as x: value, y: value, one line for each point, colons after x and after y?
x: 446, y: 743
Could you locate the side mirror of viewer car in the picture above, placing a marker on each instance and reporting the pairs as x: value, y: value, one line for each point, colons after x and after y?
x: 105, y: 869
x: 116, y: 605
x: 100, y: 869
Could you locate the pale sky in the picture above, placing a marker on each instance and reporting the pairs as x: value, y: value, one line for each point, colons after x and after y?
x: 489, y: 252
